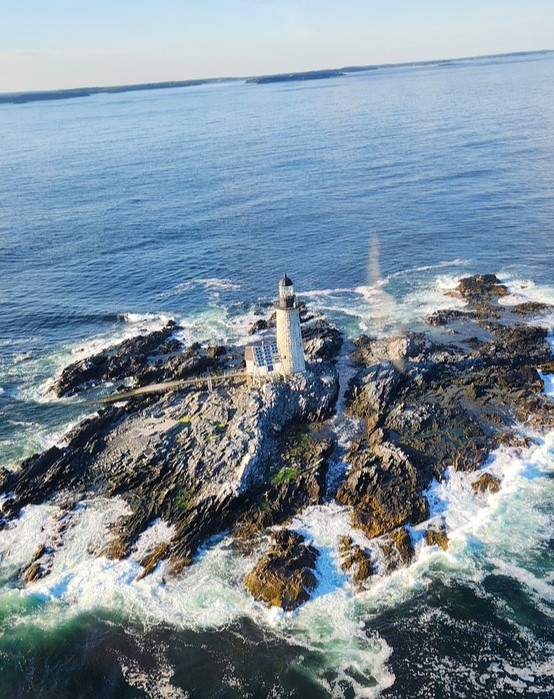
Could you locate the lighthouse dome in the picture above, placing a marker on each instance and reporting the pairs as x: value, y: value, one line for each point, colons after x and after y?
x: 285, y: 281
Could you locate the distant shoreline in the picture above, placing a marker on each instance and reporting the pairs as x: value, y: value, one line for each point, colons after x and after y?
x: 291, y: 77
x: 72, y: 93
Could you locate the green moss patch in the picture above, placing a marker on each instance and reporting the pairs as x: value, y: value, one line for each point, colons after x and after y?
x: 287, y: 473
x: 182, y: 498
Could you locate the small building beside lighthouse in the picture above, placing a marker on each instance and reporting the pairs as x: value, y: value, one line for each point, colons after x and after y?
x: 289, y: 334
x: 285, y: 356
x: 262, y: 360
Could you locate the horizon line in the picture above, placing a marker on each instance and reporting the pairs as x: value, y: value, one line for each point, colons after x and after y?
x: 132, y: 87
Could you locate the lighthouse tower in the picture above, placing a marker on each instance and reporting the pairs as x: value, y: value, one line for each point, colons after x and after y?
x: 289, y: 335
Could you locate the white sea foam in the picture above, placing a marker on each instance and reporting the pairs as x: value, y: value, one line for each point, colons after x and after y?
x: 155, y: 684
x: 210, y: 594
x: 22, y: 357
x: 525, y: 290
x: 19, y: 542
x: 159, y: 532
x: 375, y: 309
x: 217, y: 325
x: 458, y: 262
x: 209, y: 283
x: 146, y: 320
x: 501, y: 526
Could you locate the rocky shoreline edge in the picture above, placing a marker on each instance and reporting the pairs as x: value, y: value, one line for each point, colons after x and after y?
x: 245, y: 459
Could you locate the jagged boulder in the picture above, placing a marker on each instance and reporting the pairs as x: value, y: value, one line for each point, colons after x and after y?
x: 443, y: 317
x: 321, y: 340
x: 371, y: 391
x: 437, y: 535
x: 35, y: 569
x: 486, y: 483
x: 259, y: 325
x: 285, y: 576
x: 355, y: 561
x: 481, y: 286
x: 397, y: 549
x: 383, y: 488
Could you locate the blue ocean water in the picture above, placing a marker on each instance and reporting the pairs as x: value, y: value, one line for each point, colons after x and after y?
x: 120, y: 211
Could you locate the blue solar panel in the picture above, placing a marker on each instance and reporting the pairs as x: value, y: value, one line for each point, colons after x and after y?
x: 266, y: 356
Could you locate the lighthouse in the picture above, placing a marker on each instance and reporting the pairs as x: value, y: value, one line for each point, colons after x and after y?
x: 289, y: 335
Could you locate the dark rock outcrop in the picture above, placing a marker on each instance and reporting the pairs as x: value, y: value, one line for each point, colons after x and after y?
x: 285, y: 576
x: 258, y: 326
x: 437, y: 536
x: 115, y: 363
x: 355, y: 561
x: 239, y: 457
x: 298, y: 481
x: 481, y: 288
x: 530, y: 308
x: 486, y: 483
x: 321, y: 340
x: 35, y: 570
x: 449, y: 399
x: 383, y: 487
x: 397, y: 549
x: 146, y: 359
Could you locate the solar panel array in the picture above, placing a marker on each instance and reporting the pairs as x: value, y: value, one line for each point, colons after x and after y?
x: 265, y: 355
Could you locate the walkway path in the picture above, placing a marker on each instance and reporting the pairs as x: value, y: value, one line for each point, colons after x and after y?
x: 208, y: 379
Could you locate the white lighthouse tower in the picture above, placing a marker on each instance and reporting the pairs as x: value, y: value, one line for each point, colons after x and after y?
x: 289, y: 335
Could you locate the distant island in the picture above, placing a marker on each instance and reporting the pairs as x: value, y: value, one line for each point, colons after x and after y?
x: 39, y: 95
x: 43, y: 95
x: 290, y: 77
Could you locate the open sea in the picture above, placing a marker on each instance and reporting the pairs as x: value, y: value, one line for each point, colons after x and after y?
x: 120, y: 211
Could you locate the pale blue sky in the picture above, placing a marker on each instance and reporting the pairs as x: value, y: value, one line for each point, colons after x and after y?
x: 46, y: 44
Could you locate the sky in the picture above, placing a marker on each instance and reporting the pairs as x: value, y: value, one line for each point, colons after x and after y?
x: 52, y: 44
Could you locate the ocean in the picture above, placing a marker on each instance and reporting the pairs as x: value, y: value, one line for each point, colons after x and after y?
x: 120, y: 211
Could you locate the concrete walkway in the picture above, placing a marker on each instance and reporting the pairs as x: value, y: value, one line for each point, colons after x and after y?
x: 173, y: 386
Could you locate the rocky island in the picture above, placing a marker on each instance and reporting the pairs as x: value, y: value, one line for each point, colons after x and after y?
x: 244, y: 457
